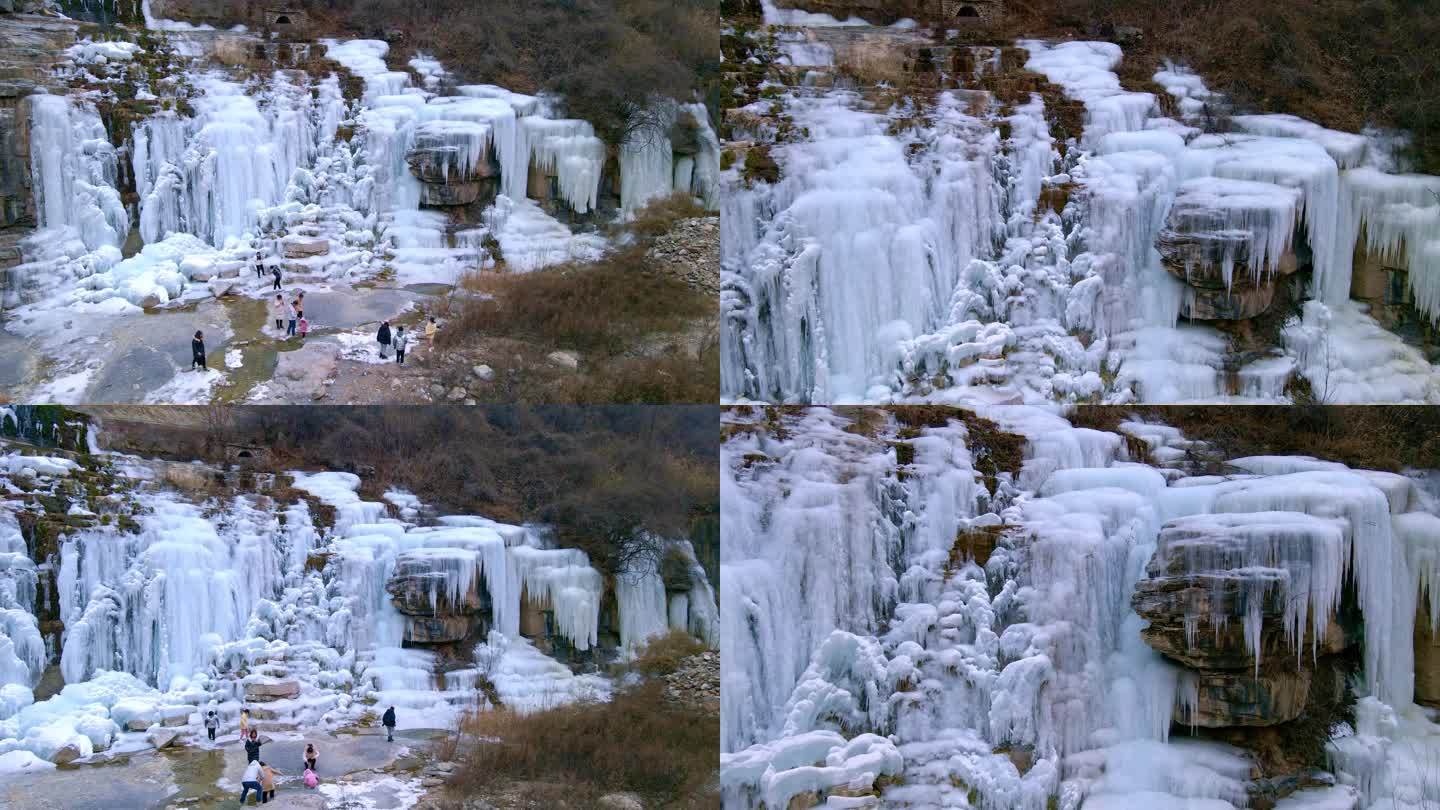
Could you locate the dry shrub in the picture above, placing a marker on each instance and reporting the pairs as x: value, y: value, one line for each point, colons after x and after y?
x: 662, y: 654
x: 636, y: 742
x: 660, y: 215
x: 605, y: 57
x: 605, y: 307
x: 1372, y: 437
x: 677, y: 375
x: 596, y: 474
x: 1343, y: 63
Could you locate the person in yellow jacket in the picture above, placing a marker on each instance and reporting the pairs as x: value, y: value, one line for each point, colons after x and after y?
x: 244, y: 722
x: 430, y: 329
x: 267, y: 783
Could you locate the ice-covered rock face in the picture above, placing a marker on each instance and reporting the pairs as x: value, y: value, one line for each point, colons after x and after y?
x: 1044, y: 234
x: 158, y: 600
x: 1122, y: 607
x: 237, y: 162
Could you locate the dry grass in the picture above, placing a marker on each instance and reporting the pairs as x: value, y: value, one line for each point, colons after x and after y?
x: 606, y: 58
x: 663, y: 654
x: 1373, y: 437
x: 659, y: 216
x: 606, y: 306
x: 1343, y: 63
x: 637, y: 742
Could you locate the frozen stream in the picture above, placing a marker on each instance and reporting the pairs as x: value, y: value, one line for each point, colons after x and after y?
x: 205, y: 776
x: 145, y: 357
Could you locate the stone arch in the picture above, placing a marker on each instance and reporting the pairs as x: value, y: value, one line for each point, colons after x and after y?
x: 283, y: 19
x: 968, y: 12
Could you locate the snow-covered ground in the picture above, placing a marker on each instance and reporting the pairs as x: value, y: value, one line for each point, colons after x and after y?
x: 942, y: 245
x: 859, y: 654
x: 177, y: 601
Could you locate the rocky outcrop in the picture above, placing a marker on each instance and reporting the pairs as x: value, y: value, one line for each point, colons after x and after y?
x: 301, y: 247
x: 696, y: 682
x: 301, y: 375
x: 448, y: 177
x: 450, y: 194
x: 1207, y: 575
x: 419, y: 588
x: 1224, y: 698
x: 690, y: 251
x: 437, y: 629
x: 29, y: 51
x: 1427, y: 656
x: 1203, y: 246
x: 264, y: 691
x: 440, y: 602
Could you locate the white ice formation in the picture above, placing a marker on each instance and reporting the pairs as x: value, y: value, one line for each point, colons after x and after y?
x: 869, y: 658
x: 175, y: 601
x: 950, y: 246
x: 236, y: 162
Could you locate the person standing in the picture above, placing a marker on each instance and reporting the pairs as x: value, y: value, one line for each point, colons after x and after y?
x: 389, y: 722
x: 275, y: 271
x: 259, y: 263
x: 212, y: 724
x: 401, y: 341
x: 251, y: 781
x: 244, y: 722
x: 278, y: 311
x: 197, y: 351
x: 267, y: 783
x: 383, y: 336
x: 430, y: 329
x: 252, y: 747
x: 304, y: 327
x: 311, y: 756
x: 294, y: 316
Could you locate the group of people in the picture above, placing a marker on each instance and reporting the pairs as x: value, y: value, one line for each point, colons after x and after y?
x: 290, y: 318
x: 259, y: 776
x: 293, y: 312
x: 260, y: 271
x: 400, y: 340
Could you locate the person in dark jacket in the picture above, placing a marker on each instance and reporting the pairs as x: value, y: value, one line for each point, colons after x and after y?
x: 275, y: 271
x: 252, y: 747
x: 389, y: 722
x: 384, y: 337
x: 312, y: 757
x: 197, y: 350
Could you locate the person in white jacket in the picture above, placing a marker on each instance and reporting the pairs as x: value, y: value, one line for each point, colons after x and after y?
x: 402, y: 340
x: 279, y: 310
x: 251, y: 781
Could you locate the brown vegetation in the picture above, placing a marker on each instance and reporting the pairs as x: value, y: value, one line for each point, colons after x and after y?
x: 606, y: 57
x: 598, y: 474
x: 637, y: 742
x: 663, y: 655
x: 1343, y: 63
x: 633, y: 323
x: 1376, y: 437
x: 604, y: 307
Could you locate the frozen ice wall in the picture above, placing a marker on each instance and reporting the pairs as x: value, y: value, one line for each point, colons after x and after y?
x: 172, y: 598
x: 230, y: 160
x: 960, y: 624
x: 212, y: 173
x: 947, y: 244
